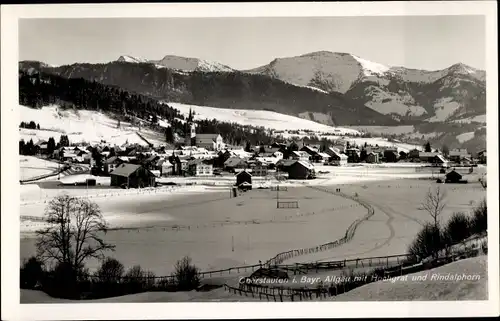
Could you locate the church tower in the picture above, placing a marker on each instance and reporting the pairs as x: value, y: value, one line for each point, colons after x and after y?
x: 190, y: 138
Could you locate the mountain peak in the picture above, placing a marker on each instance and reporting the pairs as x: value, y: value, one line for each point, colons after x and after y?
x: 127, y: 58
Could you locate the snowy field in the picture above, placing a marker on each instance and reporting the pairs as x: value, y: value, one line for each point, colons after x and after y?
x: 397, y: 216
x: 386, y: 130
x: 81, y: 126
x: 432, y: 288
x: 156, y: 227
x: 31, y: 167
x: 267, y: 119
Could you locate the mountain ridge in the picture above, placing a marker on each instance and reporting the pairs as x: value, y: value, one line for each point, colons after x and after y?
x: 399, y: 93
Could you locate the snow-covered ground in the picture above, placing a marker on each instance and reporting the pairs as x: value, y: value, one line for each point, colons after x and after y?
x: 479, y: 119
x: 430, y: 285
x: 264, y: 118
x: 444, y: 108
x: 81, y: 126
x: 386, y: 130
x: 465, y: 137
x: 156, y: 227
x: 31, y: 167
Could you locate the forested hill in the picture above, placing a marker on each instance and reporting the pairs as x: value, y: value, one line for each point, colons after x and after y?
x: 38, y: 89
x: 235, y: 90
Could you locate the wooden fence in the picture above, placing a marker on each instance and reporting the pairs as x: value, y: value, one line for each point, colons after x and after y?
x: 287, y: 204
x: 349, y: 234
x: 403, y: 264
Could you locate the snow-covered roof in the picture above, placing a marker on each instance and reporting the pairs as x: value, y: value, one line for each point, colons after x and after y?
x: 305, y: 164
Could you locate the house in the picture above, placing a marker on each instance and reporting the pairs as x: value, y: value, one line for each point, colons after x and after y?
x: 336, y: 158
x: 243, y: 177
x: 372, y: 158
x: 353, y: 155
x: 300, y: 155
x: 233, y: 163
x: 427, y: 157
x: 210, y: 141
x: 439, y: 160
x: 43, y: 147
x: 132, y: 176
x: 391, y: 156
x: 453, y: 177
x: 67, y: 156
x: 111, y: 163
x: 301, y: 170
x: 150, y: 161
x: 200, y: 167
x: 457, y: 155
x: 260, y: 169
x: 284, y: 164
x: 321, y: 157
x: 414, y: 154
x: 278, y: 154
x: 311, y: 150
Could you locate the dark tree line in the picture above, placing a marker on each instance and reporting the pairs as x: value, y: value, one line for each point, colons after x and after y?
x: 30, y: 148
x: 30, y: 125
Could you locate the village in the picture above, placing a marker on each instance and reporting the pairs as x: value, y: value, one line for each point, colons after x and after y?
x: 207, y: 155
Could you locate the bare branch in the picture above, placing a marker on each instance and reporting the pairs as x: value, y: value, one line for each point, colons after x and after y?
x: 74, y: 232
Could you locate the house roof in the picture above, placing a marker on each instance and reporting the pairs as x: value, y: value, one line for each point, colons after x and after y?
x: 207, y: 137
x: 196, y: 161
x: 244, y: 171
x: 305, y: 164
x: 112, y: 159
x: 233, y: 161
x: 324, y: 155
x: 125, y: 170
x: 441, y: 158
x: 301, y: 153
x: 454, y: 173
x: 428, y: 154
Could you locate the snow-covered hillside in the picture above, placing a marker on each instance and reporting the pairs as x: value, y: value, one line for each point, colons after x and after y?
x: 267, y: 119
x: 440, y: 284
x: 80, y: 125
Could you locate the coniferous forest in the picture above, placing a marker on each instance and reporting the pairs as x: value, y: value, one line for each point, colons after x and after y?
x: 41, y: 89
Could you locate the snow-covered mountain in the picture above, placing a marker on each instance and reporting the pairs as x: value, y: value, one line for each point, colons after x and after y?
x: 403, y: 93
x: 330, y: 88
x: 180, y: 63
x: 131, y: 59
x: 192, y: 64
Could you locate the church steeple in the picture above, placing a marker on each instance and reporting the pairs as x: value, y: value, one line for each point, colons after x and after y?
x: 190, y: 138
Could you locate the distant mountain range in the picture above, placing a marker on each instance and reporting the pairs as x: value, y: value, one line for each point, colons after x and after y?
x: 327, y: 87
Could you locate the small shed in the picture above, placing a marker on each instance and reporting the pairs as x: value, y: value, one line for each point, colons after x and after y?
x: 243, y: 177
x: 453, y: 177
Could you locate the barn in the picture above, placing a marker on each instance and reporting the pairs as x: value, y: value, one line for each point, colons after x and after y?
x: 132, y: 176
x: 301, y: 170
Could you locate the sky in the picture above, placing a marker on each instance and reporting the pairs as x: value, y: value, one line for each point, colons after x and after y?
x: 421, y: 42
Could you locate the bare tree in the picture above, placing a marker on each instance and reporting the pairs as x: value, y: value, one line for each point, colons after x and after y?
x: 434, y: 204
x: 73, y: 234
x: 482, y: 180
